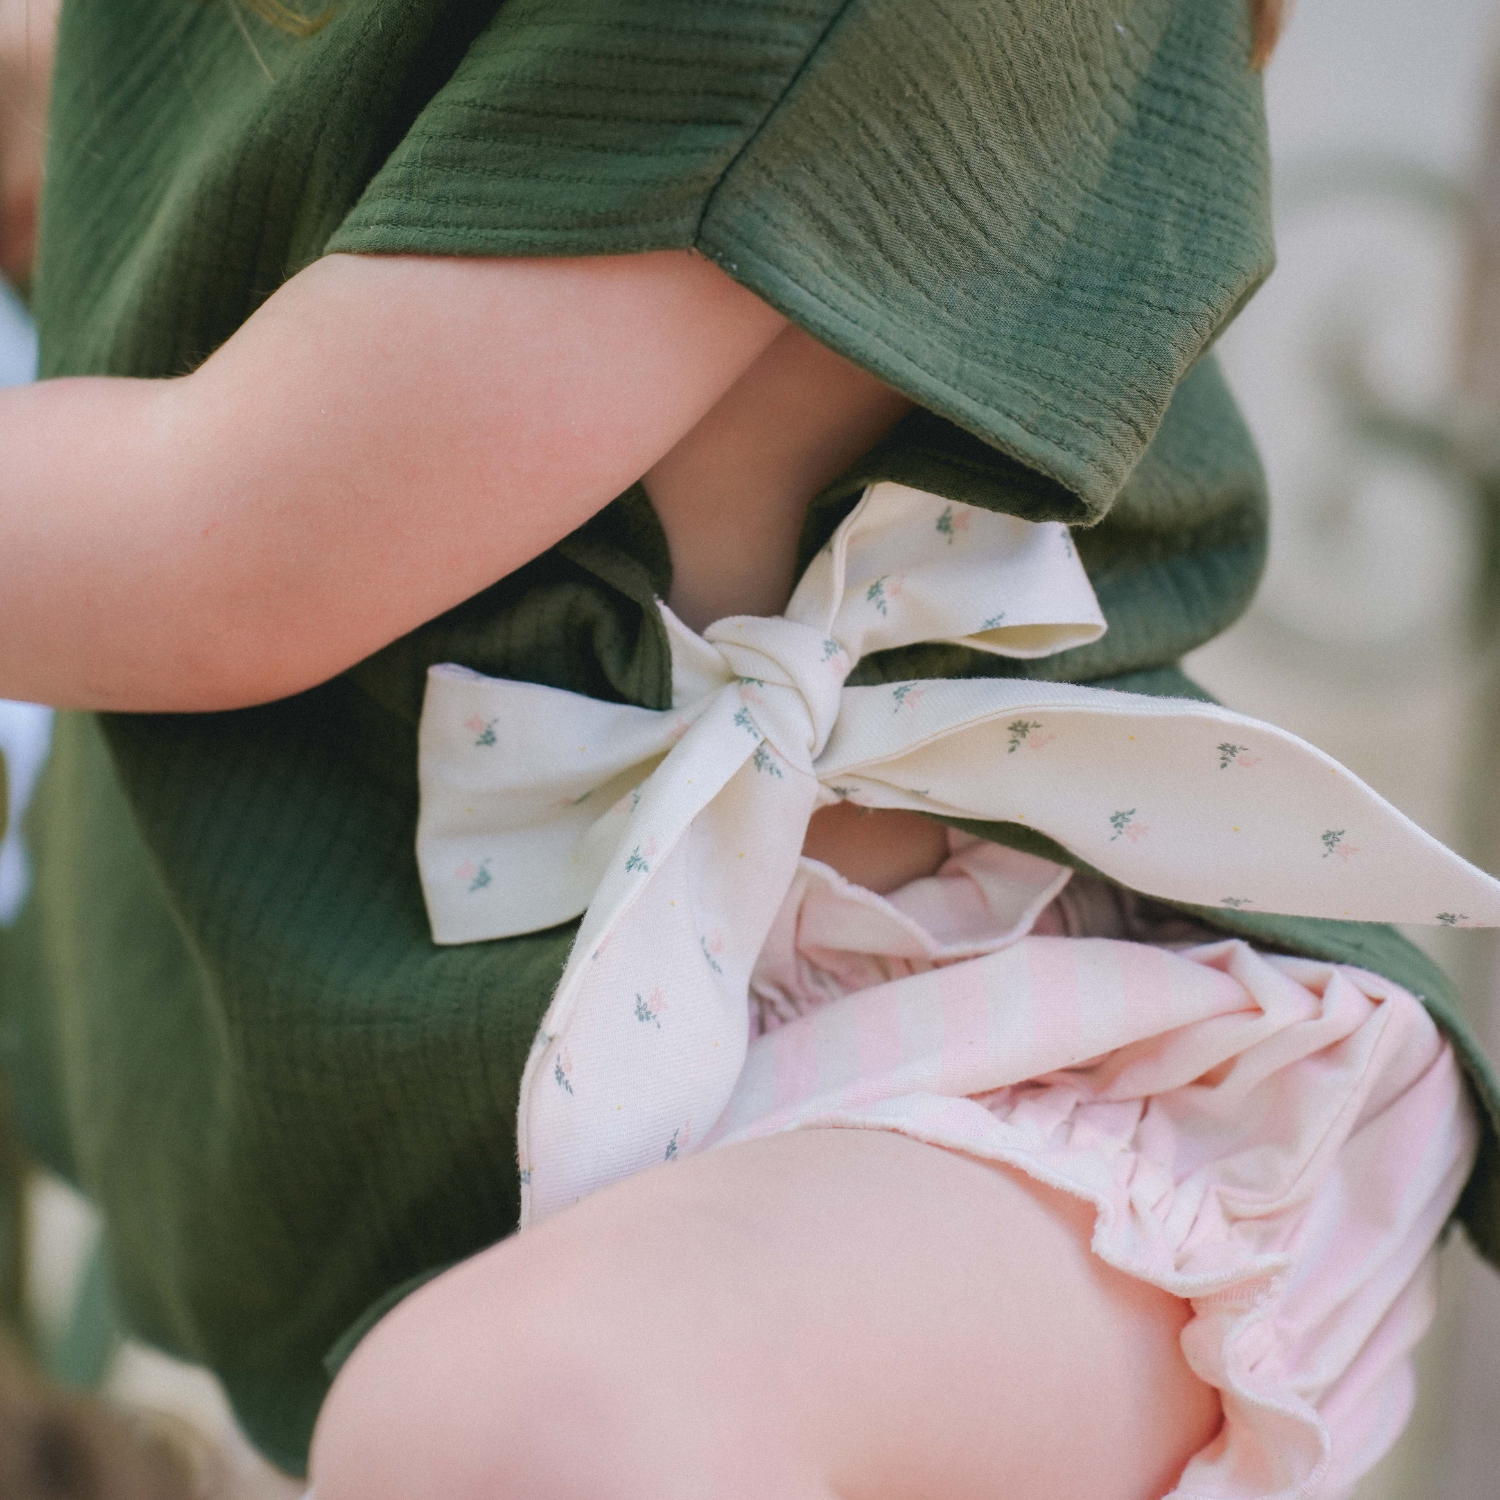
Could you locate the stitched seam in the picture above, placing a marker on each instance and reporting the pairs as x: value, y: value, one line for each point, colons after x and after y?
x: 959, y: 403
x: 1067, y: 415
x: 780, y: 99
x: 567, y: 226
x: 514, y: 112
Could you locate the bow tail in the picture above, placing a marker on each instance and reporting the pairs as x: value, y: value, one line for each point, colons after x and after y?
x: 1179, y: 799
x: 646, y: 1035
x: 517, y: 783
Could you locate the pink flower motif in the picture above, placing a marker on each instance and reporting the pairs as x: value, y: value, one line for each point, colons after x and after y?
x: 474, y: 724
x: 1345, y: 852
x: 1135, y: 832
x: 650, y: 1008
x: 466, y: 871
x: 713, y: 948
x: 677, y: 730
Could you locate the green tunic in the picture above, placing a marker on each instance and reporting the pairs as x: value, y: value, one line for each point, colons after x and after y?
x: 222, y: 1011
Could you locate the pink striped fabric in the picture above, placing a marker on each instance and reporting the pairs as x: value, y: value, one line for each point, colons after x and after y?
x: 1276, y: 1140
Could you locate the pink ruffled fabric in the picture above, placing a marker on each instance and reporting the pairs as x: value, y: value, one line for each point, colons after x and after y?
x: 1279, y: 1141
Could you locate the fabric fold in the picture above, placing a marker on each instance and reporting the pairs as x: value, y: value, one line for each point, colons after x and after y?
x: 677, y: 833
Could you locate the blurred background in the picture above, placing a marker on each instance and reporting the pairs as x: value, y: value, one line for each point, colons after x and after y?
x: 1370, y: 371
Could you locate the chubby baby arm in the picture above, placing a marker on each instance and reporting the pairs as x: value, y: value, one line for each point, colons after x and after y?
x: 383, y: 439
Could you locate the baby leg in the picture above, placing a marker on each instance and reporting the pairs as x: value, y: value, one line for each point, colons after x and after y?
x: 827, y: 1315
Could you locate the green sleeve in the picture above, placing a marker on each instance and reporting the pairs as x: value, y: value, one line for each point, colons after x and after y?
x: 1031, y: 215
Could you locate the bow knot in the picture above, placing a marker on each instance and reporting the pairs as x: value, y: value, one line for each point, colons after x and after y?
x: 791, y: 680
x: 677, y: 833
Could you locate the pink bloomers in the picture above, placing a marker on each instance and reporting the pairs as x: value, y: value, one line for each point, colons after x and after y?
x: 1278, y: 1141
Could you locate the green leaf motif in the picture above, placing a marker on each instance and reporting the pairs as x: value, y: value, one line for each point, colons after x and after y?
x: 1019, y: 729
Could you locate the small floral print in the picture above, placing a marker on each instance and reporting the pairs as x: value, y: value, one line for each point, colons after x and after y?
x: 765, y: 763
x: 566, y: 802
x: 841, y: 792
x: 1452, y: 918
x: 831, y: 648
x: 639, y: 858
x: 681, y: 1139
x: 1333, y: 843
x: 1237, y: 902
x: 750, y: 690
x: 713, y: 947
x: 562, y: 1068
x: 884, y: 589
x: 476, y: 875
x: 678, y: 729
x: 950, y: 524
x: 1067, y: 540
x: 649, y: 1010
x: 745, y: 722
x: 994, y: 621
x: 483, y: 730
x: 525, y: 1176
x: 1019, y: 729
x: 1124, y: 825
x: 1236, y: 755
x: 908, y: 692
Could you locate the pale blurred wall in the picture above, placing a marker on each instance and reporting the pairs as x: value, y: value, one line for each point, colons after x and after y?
x: 1359, y: 639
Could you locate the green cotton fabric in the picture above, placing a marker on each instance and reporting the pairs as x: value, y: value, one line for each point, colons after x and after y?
x: 221, y: 1013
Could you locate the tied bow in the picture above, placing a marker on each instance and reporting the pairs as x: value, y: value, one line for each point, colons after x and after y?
x: 677, y: 832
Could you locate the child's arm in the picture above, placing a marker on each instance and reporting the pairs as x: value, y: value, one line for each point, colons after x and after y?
x: 383, y: 439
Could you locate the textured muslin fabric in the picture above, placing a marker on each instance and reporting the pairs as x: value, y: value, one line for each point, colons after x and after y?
x: 222, y: 1013
x: 1275, y: 1140
x: 964, y: 196
x: 680, y: 830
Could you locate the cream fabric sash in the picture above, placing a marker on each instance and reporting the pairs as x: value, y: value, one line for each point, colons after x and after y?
x: 677, y: 832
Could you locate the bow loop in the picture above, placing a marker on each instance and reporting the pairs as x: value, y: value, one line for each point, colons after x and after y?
x: 529, y: 792
x: 680, y: 831
x: 907, y: 566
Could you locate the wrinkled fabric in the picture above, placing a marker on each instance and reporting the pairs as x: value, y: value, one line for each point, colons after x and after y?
x: 1277, y: 1140
x: 679, y: 830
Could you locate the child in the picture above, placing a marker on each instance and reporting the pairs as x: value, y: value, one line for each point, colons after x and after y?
x: 778, y: 529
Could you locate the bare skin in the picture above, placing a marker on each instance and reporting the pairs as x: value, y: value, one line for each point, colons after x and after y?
x: 830, y: 1315
x: 823, y: 1315
x: 732, y: 496
x: 733, y: 492
x: 383, y: 439
x: 26, y: 31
